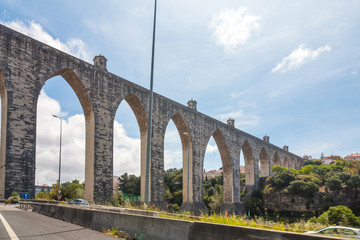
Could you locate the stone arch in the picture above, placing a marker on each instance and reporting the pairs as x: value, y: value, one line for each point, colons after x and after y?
x: 293, y: 163
x: 286, y: 162
x: 3, y: 95
x: 227, y: 166
x: 276, y: 160
x: 142, y: 120
x: 187, y: 155
x: 83, y: 95
x: 249, y: 164
x: 264, y: 163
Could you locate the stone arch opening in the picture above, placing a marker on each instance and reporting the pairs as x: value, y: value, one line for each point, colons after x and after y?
x: 277, y: 161
x: 82, y: 94
x: 249, y: 164
x: 293, y: 163
x: 212, y: 178
x: 227, y: 166
x: 130, y: 141
x: 3, y: 128
x: 184, y: 176
x: 264, y: 163
x: 286, y: 162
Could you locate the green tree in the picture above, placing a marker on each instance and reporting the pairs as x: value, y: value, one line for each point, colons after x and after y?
x: 302, y: 188
x: 213, y: 193
x: 353, y: 182
x: 334, y: 182
x: 283, y: 178
x: 339, y: 215
x: 130, y: 184
x: 43, y: 195
x: 71, y: 190
x: 173, y: 181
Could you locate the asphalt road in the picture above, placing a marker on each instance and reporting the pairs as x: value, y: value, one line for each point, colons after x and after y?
x: 31, y: 226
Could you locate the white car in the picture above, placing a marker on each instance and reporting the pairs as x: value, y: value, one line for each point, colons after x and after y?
x: 338, y: 232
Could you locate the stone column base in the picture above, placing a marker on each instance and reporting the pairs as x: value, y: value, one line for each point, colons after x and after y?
x: 158, y: 205
x: 196, y: 208
x: 234, y: 208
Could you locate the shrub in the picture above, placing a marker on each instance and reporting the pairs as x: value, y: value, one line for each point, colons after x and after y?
x: 339, y: 215
x: 283, y: 178
x: 334, y: 183
x: 354, y: 182
x: 15, y: 194
x: 345, y: 177
x: 304, y: 189
x: 278, y: 169
x: 309, y: 178
x: 255, y: 205
x: 42, y: 195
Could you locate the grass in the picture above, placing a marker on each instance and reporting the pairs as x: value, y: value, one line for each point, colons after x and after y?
x: 258, y: 222
x: 242, y: 221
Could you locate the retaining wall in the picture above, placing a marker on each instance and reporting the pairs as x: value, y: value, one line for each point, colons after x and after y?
x: 150, y: 227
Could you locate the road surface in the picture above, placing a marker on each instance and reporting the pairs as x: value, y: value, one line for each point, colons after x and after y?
x: 20, y: 224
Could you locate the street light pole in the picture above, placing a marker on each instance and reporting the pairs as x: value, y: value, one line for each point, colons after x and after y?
x: 148, y: 150
x: 188, y: 171
x: 59, y: 151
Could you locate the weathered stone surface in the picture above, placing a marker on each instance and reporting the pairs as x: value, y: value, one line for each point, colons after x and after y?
x: 321, y: 201
x: 25, y: 66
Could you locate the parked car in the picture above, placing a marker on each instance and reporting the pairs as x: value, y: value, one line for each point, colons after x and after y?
x: 78, y: 202
x: 338, y: 232
x: 13, y: 199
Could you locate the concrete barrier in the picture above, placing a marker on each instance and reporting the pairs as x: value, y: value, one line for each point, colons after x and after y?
x: 143, y: 226
x: 202, y: 230
x: 148, y: 227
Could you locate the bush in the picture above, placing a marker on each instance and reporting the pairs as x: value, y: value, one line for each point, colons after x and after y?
x: 174, y: 208
x: 255, y: 205
x: 278, y: 169
x: 309, y: 178
x: 334, y: 183
x: 283, y: 178
x: 339, y: 215
x: 353, y: 182
x: 345, y: 177
x: 15, y: 194
x: 304, y: 189
x: 43, y: 195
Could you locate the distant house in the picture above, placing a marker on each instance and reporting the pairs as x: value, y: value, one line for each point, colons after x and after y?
x: 329, y: 159
x: 353, y: 157
x: 212, y: 173
x: 42, y: 188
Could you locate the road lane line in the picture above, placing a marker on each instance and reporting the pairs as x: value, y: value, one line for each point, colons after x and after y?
x: 8, y: 229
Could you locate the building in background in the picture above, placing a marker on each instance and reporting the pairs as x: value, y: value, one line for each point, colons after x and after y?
x: 42, y: 188
x: 353, y: 157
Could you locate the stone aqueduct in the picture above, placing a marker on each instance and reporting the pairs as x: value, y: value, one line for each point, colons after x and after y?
x: 25, y: 66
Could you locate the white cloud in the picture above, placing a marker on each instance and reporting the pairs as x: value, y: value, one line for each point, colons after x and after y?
x: 241, y: 119
x: 47, y: 143
x: 126, y: 149
x: 172, y: 159
x: 211, y: 148
x: 233, y: 27
x: 32, y: 29
x: 299, y: 57
x: 126, y: 152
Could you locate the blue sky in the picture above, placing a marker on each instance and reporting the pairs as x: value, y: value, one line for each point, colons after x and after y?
x: 287, y: 69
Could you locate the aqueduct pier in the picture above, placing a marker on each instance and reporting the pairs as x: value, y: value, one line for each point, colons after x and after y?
x: 25, y: 66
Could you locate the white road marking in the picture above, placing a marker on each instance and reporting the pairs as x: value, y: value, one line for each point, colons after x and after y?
x: 8, y: 229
